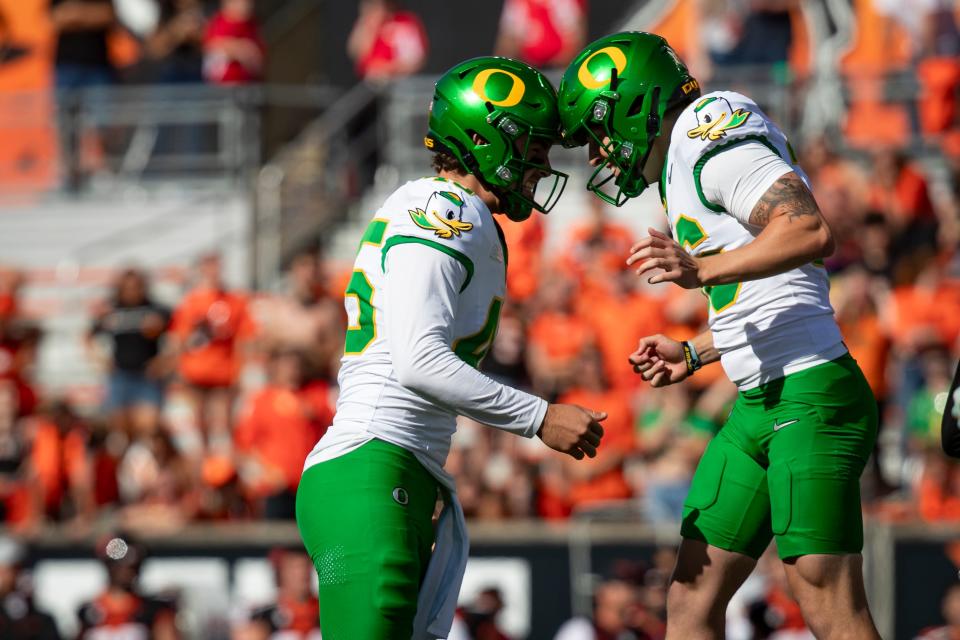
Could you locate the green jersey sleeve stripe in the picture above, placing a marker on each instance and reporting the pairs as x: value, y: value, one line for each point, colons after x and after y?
x: 453, y: 253
x: 698, y: 168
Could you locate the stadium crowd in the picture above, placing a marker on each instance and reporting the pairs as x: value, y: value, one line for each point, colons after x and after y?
x: 210, y: 407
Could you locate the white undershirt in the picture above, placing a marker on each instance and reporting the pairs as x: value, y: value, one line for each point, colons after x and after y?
x: 738, y: 177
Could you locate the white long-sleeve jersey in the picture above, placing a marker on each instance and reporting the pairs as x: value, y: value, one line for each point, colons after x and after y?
x: 423, y: 303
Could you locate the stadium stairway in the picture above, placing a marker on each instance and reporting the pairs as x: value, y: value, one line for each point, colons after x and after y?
x: 70, y: 250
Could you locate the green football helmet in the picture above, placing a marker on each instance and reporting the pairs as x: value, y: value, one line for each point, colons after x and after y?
x: 620, y: 87
x: 480, y: 109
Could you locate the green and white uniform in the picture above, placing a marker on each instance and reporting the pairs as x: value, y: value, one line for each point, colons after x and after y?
x: 788, y: 461
x: 423, y: 304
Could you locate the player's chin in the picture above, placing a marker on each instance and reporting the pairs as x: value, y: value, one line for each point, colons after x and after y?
x: 529, y: 188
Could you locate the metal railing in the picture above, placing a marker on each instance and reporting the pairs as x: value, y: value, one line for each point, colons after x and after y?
x: 311, y: 183
x: 119, y: 135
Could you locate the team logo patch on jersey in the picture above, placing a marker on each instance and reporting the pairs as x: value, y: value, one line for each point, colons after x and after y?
x: 716, y: 116
x: 443, y: 214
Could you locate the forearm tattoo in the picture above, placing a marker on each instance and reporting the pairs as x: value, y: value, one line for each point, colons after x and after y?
x: 788, y: 195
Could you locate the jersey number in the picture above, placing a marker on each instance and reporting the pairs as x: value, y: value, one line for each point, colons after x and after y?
x: 361, y: 334
x: 690, y: 235
x: 472, y: 348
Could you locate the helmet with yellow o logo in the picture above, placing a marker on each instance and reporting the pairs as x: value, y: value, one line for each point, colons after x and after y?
x: 485, y: 113
x: 619, y: 88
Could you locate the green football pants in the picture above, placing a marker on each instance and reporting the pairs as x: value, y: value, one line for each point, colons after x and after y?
x: 366, y: 521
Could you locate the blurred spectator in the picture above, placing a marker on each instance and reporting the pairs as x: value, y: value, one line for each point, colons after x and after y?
x: 122, y: 610
x: 525, y: 241
x: 938, y: 490
x: 856, y: 299
x: 386, y: 41
x: 721, y: 24
x: 14, y: 448
x: 19, y: 341
x: 20, y: 619
x: 951, y: 615
x: 876, y: 245
x: 177, y: 42
x: 81, y: 62
x: 303, y: 315
x: 232, y: 47
x: 59, y: 470
x: 11, y: 281
x: 598, y: 243
x: 507, y: 359
x: 671, y: 437
x: 82, y: 27
x: 776, y: 615
x: 296, y: 613
x: 556, y: 336
x: 899, y: 191
x: 209, y: 332
x: 931, y: 25
x: 275, y: 435
x: 925, y: 410
x: 839, y: 186
x: 135, y: 326
x: 599, y: 481
x: 478, y: 621
x: 767, y: 32
x: 156, y: 485
x: 620, y: 308
x: 542, y: 33
x: 615, y: 608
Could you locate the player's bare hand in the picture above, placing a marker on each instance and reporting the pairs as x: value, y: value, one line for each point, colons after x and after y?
x: 659, y: 360
x: 573, y: 430
x: 660, y: 251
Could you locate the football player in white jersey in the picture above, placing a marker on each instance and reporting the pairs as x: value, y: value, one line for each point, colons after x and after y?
x: 787, y: 463
x: 423, y: 303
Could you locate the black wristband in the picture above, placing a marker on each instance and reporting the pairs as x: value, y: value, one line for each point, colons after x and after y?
x: 691, y: 357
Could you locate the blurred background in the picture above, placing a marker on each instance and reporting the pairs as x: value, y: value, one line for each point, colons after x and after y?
x: 183, y: 184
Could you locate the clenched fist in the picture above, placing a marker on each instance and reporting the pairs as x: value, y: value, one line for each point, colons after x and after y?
x: 573, y: 430
x: 659, y: 360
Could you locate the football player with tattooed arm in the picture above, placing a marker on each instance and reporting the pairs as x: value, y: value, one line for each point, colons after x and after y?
x: 424, y: 302
x: 746, y: 229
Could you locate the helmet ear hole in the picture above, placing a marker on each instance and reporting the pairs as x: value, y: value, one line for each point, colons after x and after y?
x: 636, y: 106
x: 477, y: 138
x: 653, y: 124
x: 653, y: 120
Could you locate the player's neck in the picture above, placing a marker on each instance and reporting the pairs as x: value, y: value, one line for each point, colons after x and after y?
x: 658, y: 155
x: 471, y: 182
